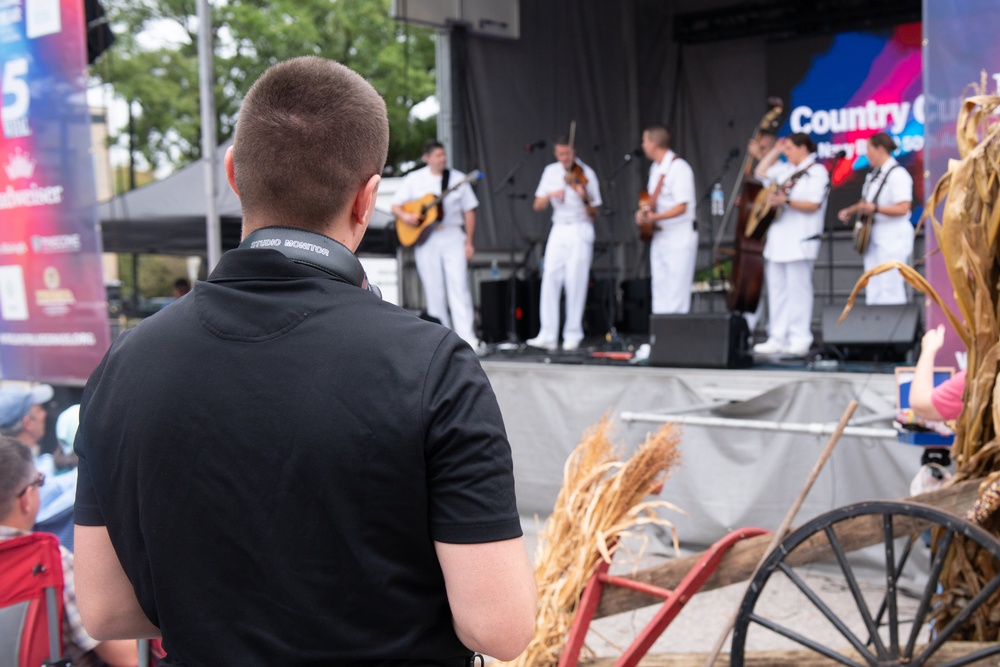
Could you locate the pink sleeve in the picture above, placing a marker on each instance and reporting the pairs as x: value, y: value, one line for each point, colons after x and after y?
x: 947, y: 396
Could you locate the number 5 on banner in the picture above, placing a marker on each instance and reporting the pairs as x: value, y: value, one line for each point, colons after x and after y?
x: 16, y: 98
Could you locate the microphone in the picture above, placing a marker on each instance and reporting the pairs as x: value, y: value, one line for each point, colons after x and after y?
x: 635, y: 152
x: 733, y: 152
x: 840, y: 155
x: 528, y: 148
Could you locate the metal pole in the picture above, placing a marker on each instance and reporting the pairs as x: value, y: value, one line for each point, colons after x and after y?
x: 213, y: 231
x: 816, y: 428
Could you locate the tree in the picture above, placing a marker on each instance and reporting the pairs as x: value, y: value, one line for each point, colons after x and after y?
x: 161, y: 77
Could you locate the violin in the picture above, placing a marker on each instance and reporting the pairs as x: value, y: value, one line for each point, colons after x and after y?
x: 575, y: 176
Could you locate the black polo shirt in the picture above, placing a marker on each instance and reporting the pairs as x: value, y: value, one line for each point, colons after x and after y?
x: 274, y: 455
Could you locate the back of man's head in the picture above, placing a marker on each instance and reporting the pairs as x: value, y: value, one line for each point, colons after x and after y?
x: 309, y: 134
x: 659, y: 135
x: 16, y: 469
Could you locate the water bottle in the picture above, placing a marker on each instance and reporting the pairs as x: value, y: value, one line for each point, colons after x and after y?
x: 494, y: 270
x: 718, y: 200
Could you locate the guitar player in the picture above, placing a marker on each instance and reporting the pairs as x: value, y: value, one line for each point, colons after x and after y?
x: 442, y: 258
x: 793, y: 241
x: 887, y: 194
x: 674, y: 247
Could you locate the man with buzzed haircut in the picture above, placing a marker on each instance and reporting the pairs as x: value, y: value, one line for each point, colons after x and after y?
x: 674, y: 248
x: 281, y: 468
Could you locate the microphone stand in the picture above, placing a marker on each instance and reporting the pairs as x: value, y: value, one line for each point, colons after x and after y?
x: 711, y: 227
x: 829, y: 246
x: 508, y: 182
x: 612, y: 335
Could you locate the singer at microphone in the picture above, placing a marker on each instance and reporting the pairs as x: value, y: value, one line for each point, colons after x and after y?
x: 528, y: 148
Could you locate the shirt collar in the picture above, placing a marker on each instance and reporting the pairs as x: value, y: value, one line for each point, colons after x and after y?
x: 6, y: 532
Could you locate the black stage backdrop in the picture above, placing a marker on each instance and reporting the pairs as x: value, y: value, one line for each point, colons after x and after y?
x: 614, y: 67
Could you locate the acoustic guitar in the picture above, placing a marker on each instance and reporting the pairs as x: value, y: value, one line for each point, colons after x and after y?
x: 763, y: 214
x: 426, y: 210
x: 646, y: 202
x: 646, y: 229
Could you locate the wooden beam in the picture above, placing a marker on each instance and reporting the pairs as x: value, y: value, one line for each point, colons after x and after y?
x: 795, y: 658
x: 739, y: 563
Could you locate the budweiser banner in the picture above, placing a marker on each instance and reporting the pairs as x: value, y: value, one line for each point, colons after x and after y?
x: 53, y: 314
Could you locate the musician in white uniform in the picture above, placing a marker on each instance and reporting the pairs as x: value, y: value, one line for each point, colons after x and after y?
x: 674, y: 247
x: 793, y: 241
x: 570, y: 247
x: 888, y: 194
x: 442, y: 259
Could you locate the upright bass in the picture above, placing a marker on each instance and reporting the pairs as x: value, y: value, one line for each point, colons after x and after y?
x: 747, y: 277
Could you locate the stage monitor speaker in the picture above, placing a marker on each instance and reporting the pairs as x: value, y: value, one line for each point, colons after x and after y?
x: 701, y: 340
x: 872, y: 332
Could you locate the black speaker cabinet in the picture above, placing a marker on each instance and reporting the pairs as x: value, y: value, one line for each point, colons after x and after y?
x: 637, y: 299
x: 495, y: 311
x: 700, y: 340
x: 881, y: 333
x: 599, y: 312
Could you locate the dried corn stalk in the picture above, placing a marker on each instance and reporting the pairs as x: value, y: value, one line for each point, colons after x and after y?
x: 601, y: 499
x: 968, y: 235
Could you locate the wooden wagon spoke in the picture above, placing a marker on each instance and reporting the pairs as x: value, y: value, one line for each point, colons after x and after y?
x: 824, y: 609
x: 944, y: 545
x: 810, y: 644
x: 852, y: 584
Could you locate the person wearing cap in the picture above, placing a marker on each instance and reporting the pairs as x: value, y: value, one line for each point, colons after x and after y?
x: 22, y: 417
x: 20, y: 498
x: 22, y: 413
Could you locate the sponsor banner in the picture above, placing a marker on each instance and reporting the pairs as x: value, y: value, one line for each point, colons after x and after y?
x: 961, y: 49
x: 53, y: 312
x: 844, y: 88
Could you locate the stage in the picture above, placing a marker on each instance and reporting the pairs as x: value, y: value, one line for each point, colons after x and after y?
x: 728, y: 477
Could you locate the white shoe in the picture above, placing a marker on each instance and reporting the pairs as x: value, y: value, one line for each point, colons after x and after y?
x: 798, y: 350
x: 538, y: 341
x: 768, y: 347
x: 570, y: 345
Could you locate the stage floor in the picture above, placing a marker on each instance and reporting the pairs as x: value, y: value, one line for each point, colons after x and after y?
x: 728, y: 477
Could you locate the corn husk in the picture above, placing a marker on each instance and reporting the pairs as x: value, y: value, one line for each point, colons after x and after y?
x: 967, y: 235
x: 601, y: 500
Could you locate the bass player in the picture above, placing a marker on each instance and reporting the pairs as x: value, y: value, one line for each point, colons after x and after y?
x: 443, y: 257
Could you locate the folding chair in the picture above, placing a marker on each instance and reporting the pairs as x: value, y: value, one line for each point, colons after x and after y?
x: 31, y: 602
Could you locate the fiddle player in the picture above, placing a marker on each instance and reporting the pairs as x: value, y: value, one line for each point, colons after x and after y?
x: 793, y: 241
x: 674, y: 247
x: 570, y: 187
x: 888, y: 195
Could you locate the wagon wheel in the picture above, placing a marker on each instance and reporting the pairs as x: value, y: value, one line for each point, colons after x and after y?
x: 895, y: 625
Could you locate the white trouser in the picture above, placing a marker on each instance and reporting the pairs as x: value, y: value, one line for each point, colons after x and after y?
x: 789, y: 302
x: 889, y: 287
x: 566, y: 265
x: 443, y: 271
x: 672, y: 255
